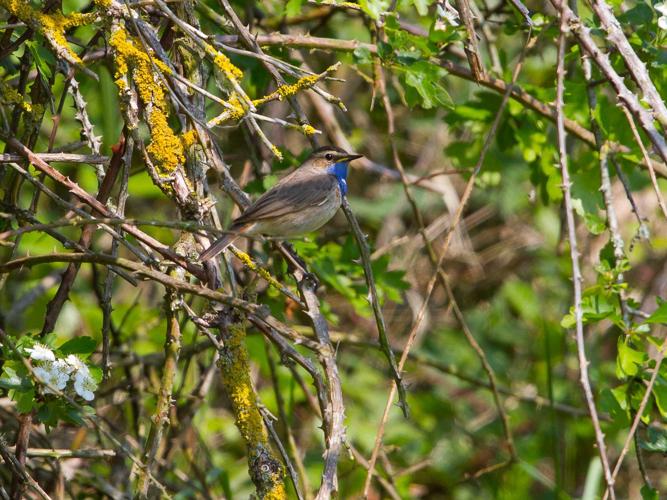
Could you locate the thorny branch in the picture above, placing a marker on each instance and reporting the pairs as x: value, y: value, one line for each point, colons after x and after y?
x: 577, y: 278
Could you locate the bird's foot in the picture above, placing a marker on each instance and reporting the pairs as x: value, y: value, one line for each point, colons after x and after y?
x: 311, y: 280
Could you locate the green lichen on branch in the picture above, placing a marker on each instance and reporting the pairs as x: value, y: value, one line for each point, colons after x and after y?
x: 166, y: 149
x: 265, y: 470
x: 52, y: 26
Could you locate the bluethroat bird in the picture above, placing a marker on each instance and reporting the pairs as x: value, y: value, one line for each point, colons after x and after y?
x: 299, y: 203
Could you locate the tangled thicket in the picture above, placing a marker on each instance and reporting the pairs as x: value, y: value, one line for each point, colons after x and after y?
x: 484, y: 316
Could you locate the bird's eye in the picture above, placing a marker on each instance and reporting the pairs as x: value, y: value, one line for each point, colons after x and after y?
x: 328, y: 156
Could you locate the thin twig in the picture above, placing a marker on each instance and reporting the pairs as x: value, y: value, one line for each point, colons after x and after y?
x: 19, y: 470
x: 375, y: 304
x: 574, y: 253
x: 647, y: 159
x: 640, y: 412
x: 496, y: 84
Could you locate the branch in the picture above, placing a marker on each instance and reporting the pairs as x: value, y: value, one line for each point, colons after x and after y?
x: 100, y: 208
x: 623, y: 93
x: 495, y: 84
x: 574, y: 253
x: 637, y: 68
x: 375, y: 304
x: 265, y: 469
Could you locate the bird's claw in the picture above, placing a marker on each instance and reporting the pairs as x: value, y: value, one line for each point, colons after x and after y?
x: 311, y: 280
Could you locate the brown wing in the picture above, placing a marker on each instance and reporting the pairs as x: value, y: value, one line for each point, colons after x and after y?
x: 296, y: 192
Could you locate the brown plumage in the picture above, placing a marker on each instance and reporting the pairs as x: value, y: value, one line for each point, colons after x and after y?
x: 299, y: 203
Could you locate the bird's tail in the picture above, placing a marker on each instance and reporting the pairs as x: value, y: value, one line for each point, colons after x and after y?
x: 220, y: 244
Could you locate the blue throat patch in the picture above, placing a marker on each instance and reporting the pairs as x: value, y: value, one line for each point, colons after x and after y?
x: 339, y: 170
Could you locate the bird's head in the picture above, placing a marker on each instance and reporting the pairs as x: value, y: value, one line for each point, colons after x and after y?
x: 327, y: 156
x: 333, y: 161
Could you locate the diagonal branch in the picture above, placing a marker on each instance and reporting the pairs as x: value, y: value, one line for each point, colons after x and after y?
x: 636, y: 66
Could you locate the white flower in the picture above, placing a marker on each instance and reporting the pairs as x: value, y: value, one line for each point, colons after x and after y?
x: 51, y: 375
x: 446, y: 15
x: 40, y: 352
x: 662, y: 20
x: 63, y: 366
x: 75, y: 363
x: 84, y: 385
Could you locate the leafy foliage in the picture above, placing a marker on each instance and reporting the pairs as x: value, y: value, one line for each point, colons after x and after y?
x: 493, y: 370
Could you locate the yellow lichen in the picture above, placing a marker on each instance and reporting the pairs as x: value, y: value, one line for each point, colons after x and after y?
x: 165, y: 149
x: 51, y: 26
x: 223, y: 63
x: 308, y: 130
x: 278, y: 491
x: 11, y: 96
x: 250, y: 264
x: 288, y: 90
x: 189, y: 138
x: 237, y: 110
x: 276, y: 152
x: 235, y: 370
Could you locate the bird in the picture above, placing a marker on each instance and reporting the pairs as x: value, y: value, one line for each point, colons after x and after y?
x: 299, y: 203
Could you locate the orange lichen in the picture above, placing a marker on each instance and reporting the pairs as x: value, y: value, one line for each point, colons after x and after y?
x: 166, y: 149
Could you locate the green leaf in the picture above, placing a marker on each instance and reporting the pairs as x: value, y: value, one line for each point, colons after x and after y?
x: 656, y: 440
x: 659, y: 315
x: 25, y: 401
x: 638, y: 15
x: 78, y: 345
x: 363, y: 55
x: 96, y: 373
x: 595, y: 306
x: 422, y: 6
x: 40, y: 54
x: 660, y: 395
x: 649, y: 493
x: 374, y: 8
x: 293, y: 7
x: 628, y: 360
x: 425, y: 79
x: 595, y: 224
x: 610, y: 402
x: 12, y: 380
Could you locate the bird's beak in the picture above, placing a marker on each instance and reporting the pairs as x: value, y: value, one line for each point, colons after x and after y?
x: 349, y: 157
